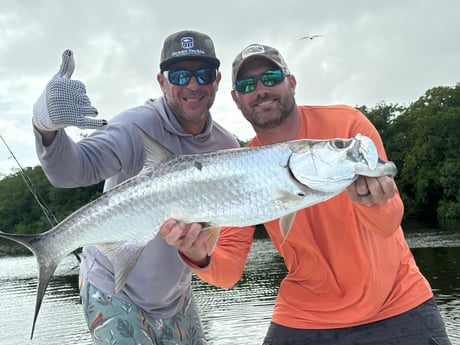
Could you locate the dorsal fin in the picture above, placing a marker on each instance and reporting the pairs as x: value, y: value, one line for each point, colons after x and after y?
x: 154, y: 152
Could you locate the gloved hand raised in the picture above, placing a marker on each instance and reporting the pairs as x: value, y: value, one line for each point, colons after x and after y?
x: 64, y: 102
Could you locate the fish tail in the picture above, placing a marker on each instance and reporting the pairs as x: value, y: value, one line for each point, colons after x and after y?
x: 46, y: 265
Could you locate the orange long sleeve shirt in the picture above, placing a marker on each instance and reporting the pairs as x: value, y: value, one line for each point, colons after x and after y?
x: 347, y: 264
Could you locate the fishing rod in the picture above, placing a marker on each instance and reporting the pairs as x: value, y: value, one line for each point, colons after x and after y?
x: 33, y: 189
x: 44, y: 207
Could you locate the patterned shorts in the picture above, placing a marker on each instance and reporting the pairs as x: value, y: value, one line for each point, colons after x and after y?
x: 116, y: 322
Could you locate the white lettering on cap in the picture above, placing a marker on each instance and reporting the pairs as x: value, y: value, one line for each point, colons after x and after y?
x: 251, y: 50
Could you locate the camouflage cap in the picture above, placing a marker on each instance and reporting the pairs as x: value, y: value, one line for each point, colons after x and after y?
x: 258, y: 51
x: 187, y: 45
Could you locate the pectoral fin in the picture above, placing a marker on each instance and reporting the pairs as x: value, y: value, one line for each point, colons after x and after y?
x: 212, y: 237
x: 123, y: 257
x: 286, y: 224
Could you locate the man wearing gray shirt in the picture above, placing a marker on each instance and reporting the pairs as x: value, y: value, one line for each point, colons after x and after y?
x: 156, y: 305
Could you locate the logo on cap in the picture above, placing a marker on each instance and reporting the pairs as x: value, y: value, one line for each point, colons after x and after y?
x: 187, y: 42
x: 251, y: 50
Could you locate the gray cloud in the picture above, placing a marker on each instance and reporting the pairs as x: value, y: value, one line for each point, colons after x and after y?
x: 370, y: 52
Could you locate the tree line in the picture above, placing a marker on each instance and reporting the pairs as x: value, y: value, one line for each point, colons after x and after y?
x: 422, y: 139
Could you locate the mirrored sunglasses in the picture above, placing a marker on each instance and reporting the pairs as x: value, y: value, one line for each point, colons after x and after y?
x: 182, y: 77
x: 269, y: 78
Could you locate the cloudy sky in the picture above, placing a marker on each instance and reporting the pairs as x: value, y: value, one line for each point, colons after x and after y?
x: 369, y: 52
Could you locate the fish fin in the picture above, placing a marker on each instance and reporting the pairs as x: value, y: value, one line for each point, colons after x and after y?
x: 154, y: 152
x: 46, y: 265
x: 45, y: 273
x: 211, y: 240
x: 123, y: 256
x: 212, y: 236
x: 286, y: 224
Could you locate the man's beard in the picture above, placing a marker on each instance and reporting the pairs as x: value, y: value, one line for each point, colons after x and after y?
x: 182, y: 115
x: 284, y: 109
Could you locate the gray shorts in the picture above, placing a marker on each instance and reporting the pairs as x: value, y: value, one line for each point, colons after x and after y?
x: 113, y: 321
x: 422, y: 325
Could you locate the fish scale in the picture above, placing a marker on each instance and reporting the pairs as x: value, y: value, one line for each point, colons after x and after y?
x: 235, y: 187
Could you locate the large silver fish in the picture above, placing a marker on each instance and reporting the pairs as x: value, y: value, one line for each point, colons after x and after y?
x: 236, y: 187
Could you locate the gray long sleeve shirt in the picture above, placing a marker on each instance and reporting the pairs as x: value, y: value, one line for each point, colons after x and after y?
x: 160, y: 280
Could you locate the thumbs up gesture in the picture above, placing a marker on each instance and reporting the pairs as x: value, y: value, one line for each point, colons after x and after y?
x: 64, y: 102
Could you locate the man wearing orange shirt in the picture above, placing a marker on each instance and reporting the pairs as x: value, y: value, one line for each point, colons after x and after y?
x: 351, y: 276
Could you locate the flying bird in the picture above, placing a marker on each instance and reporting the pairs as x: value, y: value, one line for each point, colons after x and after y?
x: 310, y: 37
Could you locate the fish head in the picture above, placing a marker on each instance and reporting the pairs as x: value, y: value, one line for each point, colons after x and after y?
x: 332, y: 165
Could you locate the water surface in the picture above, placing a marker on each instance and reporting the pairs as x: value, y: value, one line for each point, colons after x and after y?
x: 236, y: 316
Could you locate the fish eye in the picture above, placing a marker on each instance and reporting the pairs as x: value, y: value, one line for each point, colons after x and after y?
x: 340, y: 144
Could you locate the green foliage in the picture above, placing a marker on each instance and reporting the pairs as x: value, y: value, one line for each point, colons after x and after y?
x: 382, y: 116
x: 423, y: 140
x: 21, y: 213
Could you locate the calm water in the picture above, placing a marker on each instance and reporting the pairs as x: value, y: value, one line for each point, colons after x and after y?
x: 236, y: 316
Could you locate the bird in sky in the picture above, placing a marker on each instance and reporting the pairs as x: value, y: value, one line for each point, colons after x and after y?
x: 310, y: 37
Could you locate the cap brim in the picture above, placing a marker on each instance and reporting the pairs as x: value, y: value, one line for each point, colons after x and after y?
x: 168, y: 63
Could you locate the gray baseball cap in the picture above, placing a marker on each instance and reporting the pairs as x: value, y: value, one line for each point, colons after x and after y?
x: 187, y: 45
x: 257, y: 51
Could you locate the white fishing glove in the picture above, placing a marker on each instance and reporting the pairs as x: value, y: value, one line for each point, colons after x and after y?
x: 64, y: 102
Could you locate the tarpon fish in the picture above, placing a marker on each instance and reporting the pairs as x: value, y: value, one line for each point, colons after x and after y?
x: 234, y: 187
